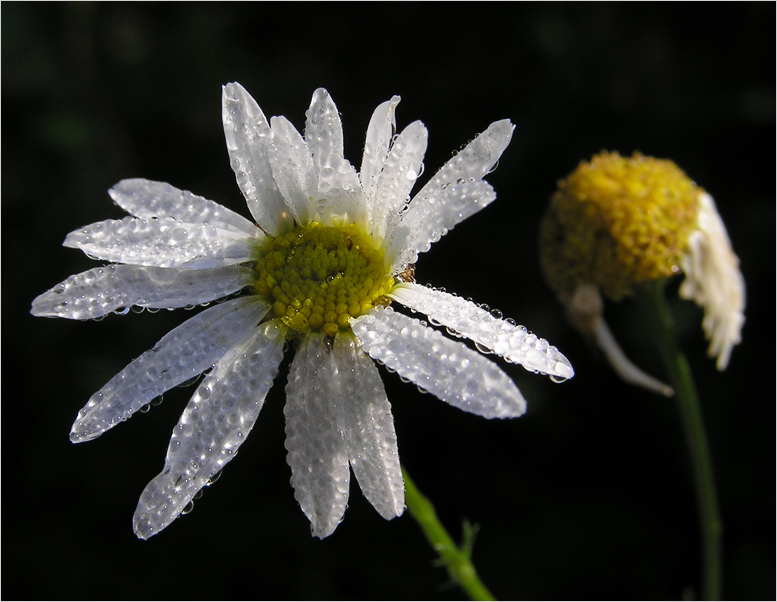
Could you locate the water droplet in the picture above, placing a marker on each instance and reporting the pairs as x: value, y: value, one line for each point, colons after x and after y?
x: 497, y: 314
x: 199, y: 494
x: 411, y: 175
x: 189, y: 382
x: 558, y: 379
x: 145, y: 408
x: 188, y: 508
x: 214, y: 478
x: 482, y: 348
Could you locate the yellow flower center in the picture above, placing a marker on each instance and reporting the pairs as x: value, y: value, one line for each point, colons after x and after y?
x: 615, y: 222
x: 317, y: 277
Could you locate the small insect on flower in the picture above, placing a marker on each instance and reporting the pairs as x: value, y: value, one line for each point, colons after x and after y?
x: 331, y: 248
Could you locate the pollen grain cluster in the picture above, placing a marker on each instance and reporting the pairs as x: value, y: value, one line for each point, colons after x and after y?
x: 617, y: 221
x: 318, y: 277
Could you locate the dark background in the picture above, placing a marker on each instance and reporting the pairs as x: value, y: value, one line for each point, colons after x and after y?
x: 588, y: 496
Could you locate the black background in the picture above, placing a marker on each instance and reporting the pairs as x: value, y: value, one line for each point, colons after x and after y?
x: 588, y: 496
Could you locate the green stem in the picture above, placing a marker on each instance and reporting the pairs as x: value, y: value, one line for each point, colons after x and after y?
x: 456, y: 559
x: 650, y: 297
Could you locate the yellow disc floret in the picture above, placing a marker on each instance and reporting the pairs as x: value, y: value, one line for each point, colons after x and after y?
x: 616, y: 222
x: 318, y: 277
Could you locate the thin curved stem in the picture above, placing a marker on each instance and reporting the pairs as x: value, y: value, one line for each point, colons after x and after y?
x: 456, y: 559
x: 650, y: 297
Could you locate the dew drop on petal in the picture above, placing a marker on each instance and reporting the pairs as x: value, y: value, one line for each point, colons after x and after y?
x: 482, y: 348
x: 214, y: 478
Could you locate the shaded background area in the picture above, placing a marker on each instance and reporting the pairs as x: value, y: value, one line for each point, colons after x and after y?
x: 588, y: 496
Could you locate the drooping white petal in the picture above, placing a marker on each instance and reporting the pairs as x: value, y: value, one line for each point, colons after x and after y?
x: 430, y: 218
x: 314, y: 436
x: 714, y: 281
x: 147, y: 199
x: 293, y: 170
x: 182, y: 354
x: 340, y: 200
x: 402, y: 168
x: 622, y: 365
x: 99, y: 291
x: 369, y: 428
x: 376, y: 148
x: 163, y: 242
x: 247, y: 132
x: 214, y: 424
x: 585, y: 311
x: 512, y: 342
x: 445, y: 368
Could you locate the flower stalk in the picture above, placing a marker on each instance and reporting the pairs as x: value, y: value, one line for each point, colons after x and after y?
x: 457, y: 559
x: 650, y: 298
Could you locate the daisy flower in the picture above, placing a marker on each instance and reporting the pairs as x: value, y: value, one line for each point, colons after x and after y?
x: 329, y: 250
x: 617, y: 222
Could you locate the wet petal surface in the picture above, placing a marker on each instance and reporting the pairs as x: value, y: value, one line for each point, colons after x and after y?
x: 447, y: 369
x: 369, y: 428
x: 99, y: 291
x: 182, y: 354
x: 512, y: 342
x: 163, y: 243
x: 214, y: 424
x: 315, y: 424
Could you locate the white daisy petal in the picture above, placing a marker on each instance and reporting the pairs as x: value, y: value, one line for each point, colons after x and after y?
x: 314, y: 435
x: 447, y: 369
x: 476, y: 160
x: 430, y: 218
x: 163, y: 242
x: 512, y: 342
x: 183, y: 353
x: 376, y: 148
x: 247, y: 132
x: 340, y: 199
x: 714, y: 281
x: 293, y: 169
x: 147, y: 199
x: 451, y: 196
x: 99, y: 291
x: 215, y: 423
x: 402, y: 168
x: 369, y: 428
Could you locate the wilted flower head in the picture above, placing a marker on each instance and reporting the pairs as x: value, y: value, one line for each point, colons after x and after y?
x: 616, y: 222
x: 330, y: 250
